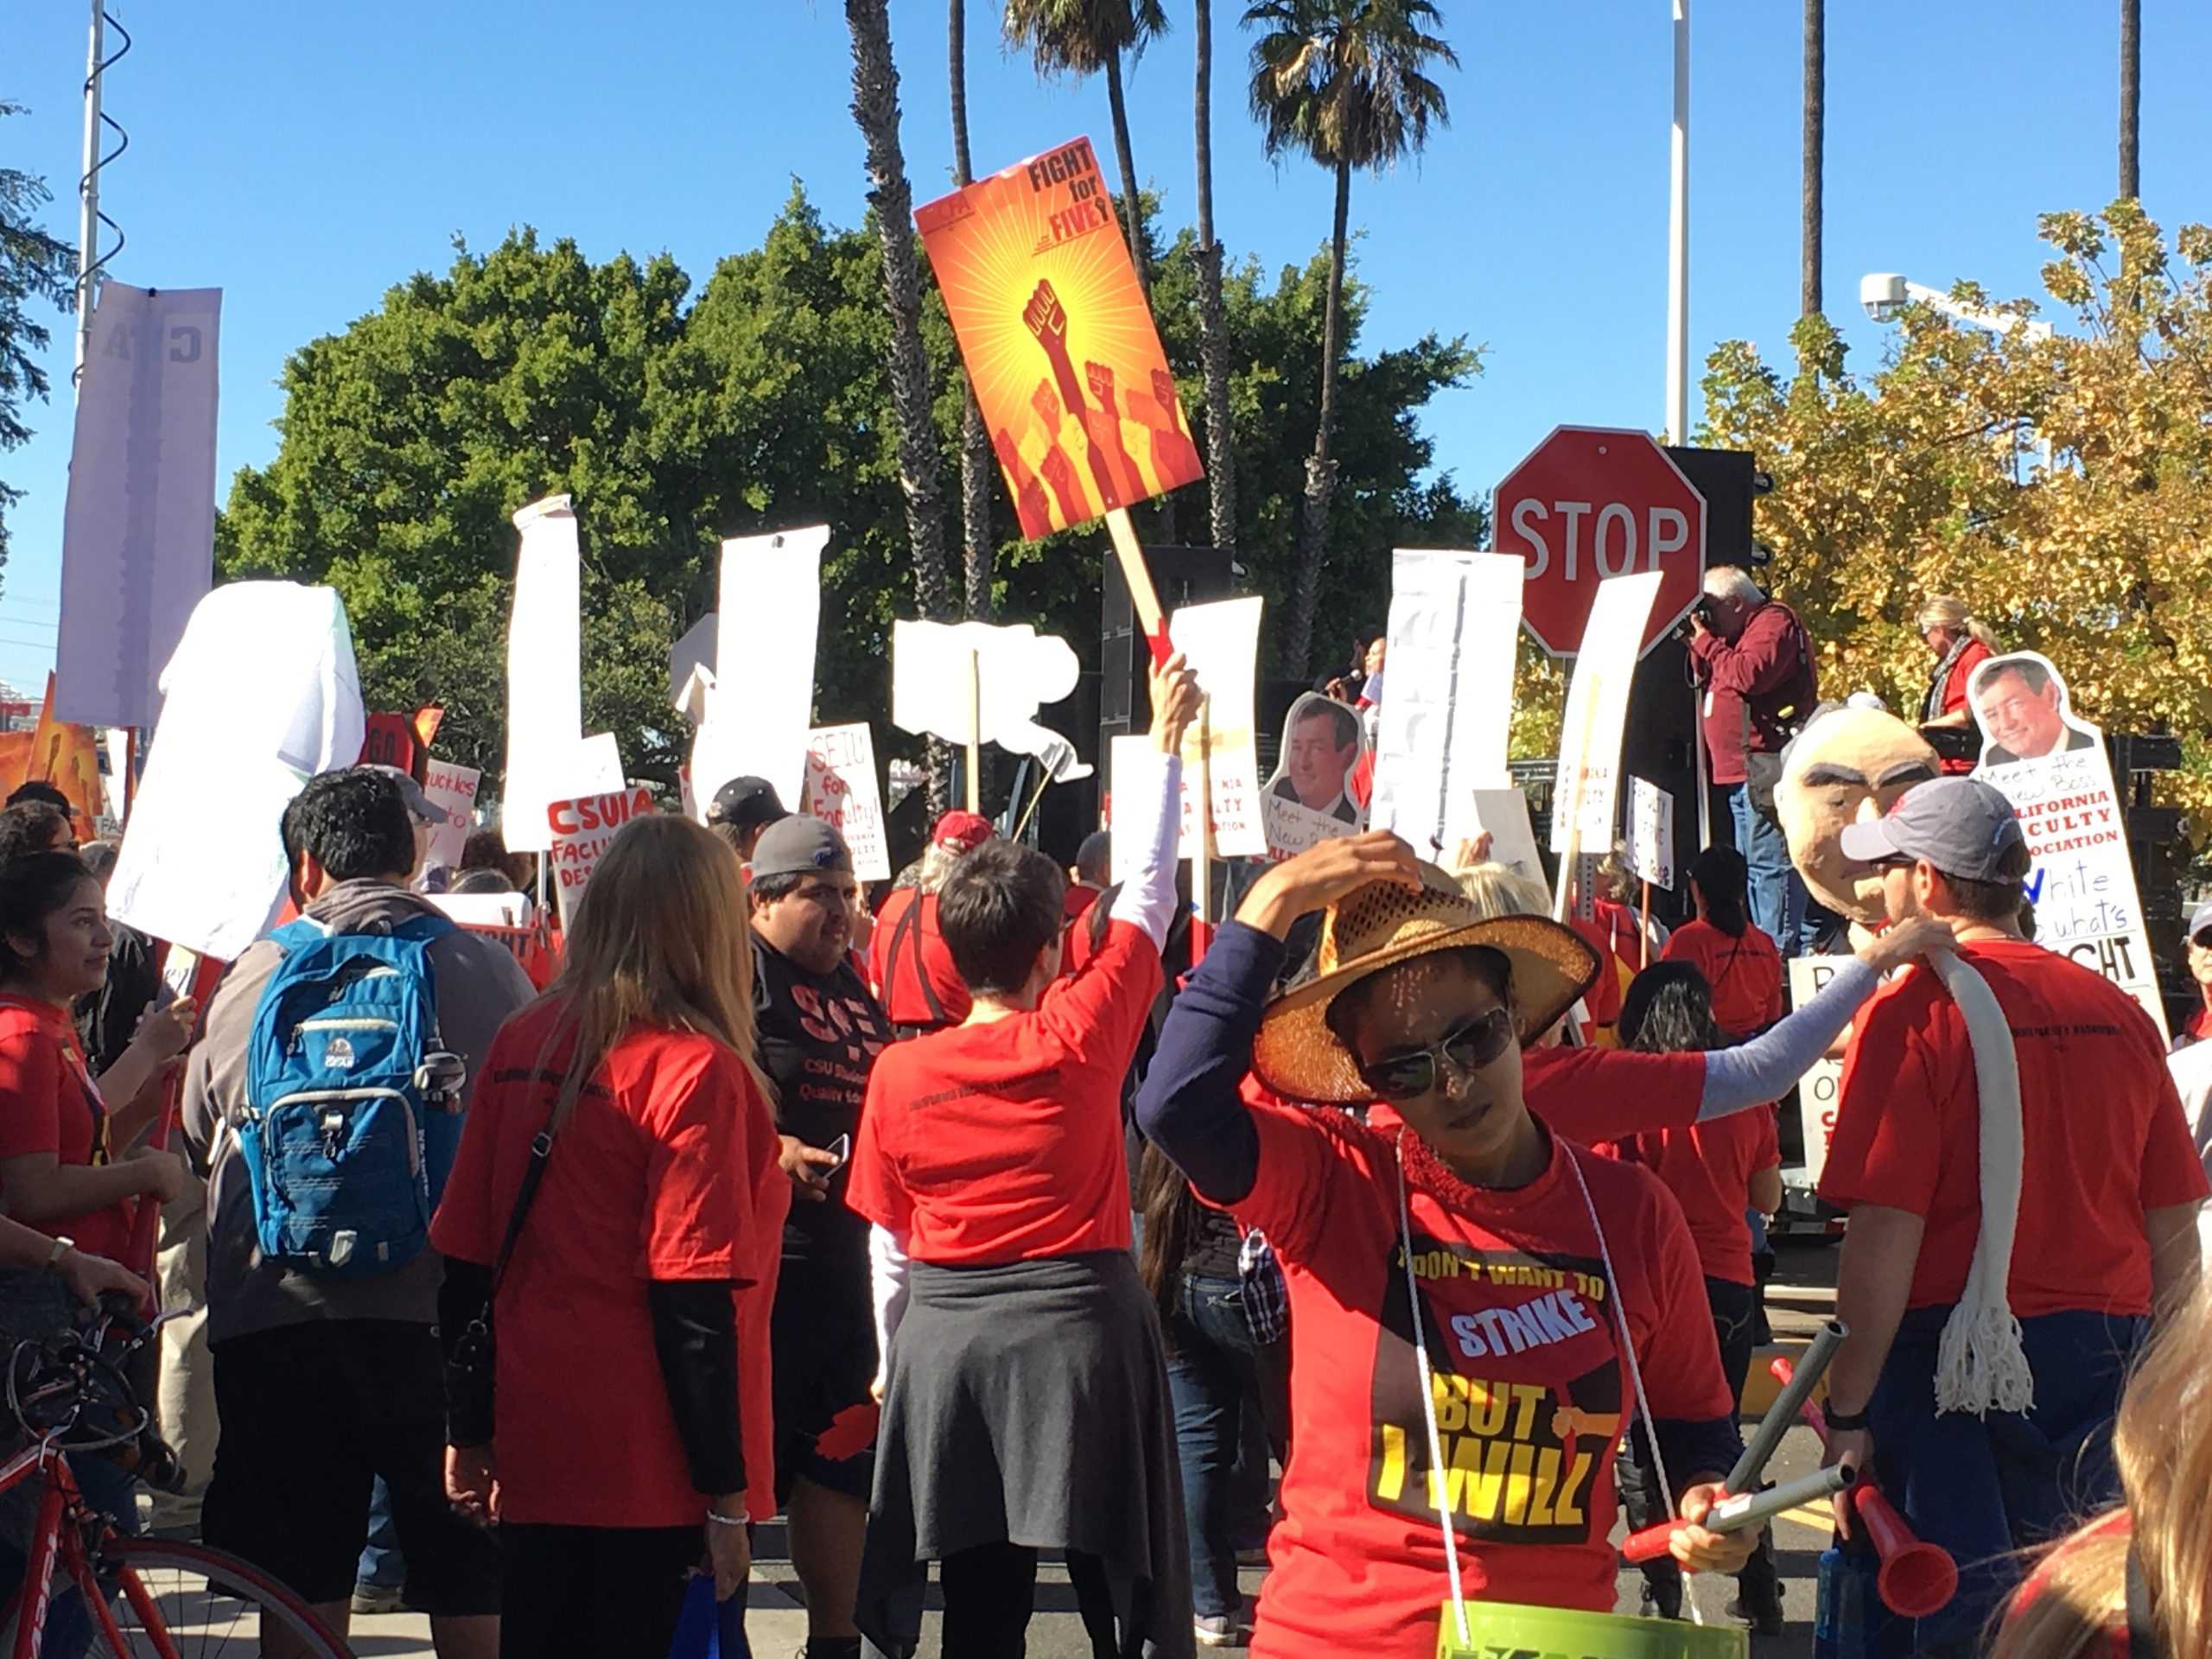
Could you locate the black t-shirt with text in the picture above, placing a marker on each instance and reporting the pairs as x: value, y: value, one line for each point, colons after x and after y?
x: 818, y: 1036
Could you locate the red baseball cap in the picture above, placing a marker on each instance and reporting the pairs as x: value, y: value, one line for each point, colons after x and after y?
x: 962, y: 832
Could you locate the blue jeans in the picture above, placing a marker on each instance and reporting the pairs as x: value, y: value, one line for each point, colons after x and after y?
x: 1987, y: 1489
x: 1225, y: 1387
x: 1777, y: 895
x: 381, y: 1564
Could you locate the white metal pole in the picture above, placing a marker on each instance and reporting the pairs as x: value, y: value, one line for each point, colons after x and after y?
x: 88, y: 189
x: 1678, y: 240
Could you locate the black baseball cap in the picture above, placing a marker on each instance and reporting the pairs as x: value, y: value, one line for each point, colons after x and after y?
x: 747, y: 802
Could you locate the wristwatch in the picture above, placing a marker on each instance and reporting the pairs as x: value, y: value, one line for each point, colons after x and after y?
x: 1847, y: 1422
x: 61, y: 1248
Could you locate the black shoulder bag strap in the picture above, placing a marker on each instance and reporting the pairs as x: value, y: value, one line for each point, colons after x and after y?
x: 910, y: 926
x: 472, y: 1362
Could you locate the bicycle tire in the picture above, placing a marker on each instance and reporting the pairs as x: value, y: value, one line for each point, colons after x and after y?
x: 212, y: 1604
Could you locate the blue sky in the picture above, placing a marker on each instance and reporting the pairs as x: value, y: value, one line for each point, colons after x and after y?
x: 303, y: 158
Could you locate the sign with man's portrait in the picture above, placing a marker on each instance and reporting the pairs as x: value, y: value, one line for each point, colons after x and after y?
x: 1309, y: 799
x: 2053, y: 767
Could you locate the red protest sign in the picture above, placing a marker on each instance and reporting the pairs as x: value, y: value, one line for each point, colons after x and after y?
x: 1592, y: 502
x: 583, y: 829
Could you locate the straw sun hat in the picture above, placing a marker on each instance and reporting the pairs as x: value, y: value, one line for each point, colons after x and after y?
x: 1382, y: 924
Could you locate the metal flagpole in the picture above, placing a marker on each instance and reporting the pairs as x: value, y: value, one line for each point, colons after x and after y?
x: 88, y: 187
x: 1678, y: 240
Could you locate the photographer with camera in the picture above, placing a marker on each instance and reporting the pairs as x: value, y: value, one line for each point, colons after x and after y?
x: 1750, y: 657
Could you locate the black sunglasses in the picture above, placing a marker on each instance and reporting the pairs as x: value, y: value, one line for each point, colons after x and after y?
x: 1470, y: 1048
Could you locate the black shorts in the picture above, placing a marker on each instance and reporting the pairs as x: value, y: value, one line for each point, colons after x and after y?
x: 311, y: 1415
x: 823, y: 1335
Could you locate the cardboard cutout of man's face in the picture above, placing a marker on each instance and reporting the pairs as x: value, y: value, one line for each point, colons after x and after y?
x: 1848, y: 764
x: 1320, y: 748
x: 2020, y: 704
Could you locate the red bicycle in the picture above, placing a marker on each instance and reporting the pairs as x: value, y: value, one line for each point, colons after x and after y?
x: 146, y: 1597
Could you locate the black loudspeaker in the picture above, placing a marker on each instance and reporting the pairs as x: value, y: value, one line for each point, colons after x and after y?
x: 1181, y: 576
x: 1658, y: 745
x: 1728, y: 480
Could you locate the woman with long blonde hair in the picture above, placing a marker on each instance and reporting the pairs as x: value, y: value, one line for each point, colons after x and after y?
x: 1960, y: 642
x: 612, y: 1231
x: 2082, y: 1601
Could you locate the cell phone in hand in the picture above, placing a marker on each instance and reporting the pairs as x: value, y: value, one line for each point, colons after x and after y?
x: 841, y: 1149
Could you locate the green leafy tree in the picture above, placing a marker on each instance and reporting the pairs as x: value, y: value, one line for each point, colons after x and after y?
x: 767, y: 402
x: 1345, y: 83
x: 35, y: 269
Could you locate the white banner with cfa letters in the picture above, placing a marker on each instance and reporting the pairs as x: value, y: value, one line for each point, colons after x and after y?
x: 545, y: 696
x: 1596, y: 711
x: 1448, y: 705
x: 138, y: 533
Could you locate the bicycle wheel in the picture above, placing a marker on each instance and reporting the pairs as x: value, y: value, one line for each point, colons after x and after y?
x: 208, y: 1605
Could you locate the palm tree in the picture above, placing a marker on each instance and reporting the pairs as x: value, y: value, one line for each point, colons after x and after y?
x: 875, y: 107
x: 1816, y: 115
x: 1344, y: 82
x: 1085, y: 37
x: 977, y: 466
x: 1213, y: 322
x: 2131, y: 96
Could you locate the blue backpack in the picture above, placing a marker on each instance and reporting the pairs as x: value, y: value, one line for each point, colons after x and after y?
x: 353, y: 1105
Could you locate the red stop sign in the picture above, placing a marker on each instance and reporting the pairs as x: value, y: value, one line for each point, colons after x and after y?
x: 1590, y: 502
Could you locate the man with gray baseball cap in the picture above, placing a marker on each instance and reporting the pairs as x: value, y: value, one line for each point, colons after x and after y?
x: 818, y: 1032
x: 2108, y: 1188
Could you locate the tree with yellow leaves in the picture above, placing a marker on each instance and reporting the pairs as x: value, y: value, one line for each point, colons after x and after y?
x: 2062, y: 486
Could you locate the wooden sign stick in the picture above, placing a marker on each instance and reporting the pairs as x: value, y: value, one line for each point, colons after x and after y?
x: 1144, y: 599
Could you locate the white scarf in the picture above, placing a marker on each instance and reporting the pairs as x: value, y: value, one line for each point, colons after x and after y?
x: 1980, y: 1364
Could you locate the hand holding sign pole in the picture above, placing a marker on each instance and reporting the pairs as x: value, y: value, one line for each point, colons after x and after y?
x: 1062, y: 353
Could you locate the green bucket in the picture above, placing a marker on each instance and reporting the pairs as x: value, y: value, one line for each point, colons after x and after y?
x: 1505, y: 1630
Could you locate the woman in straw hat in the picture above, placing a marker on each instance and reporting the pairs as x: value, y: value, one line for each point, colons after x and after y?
x: 1468, y: 1260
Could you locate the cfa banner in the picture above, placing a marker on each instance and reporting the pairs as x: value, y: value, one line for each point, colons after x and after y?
x: 1058, y: 340
x: 580, y: 831
x: 2052, y: 766
x: 138, y: 532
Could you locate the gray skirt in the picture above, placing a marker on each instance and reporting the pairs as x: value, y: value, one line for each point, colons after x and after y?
x: 1028, y: 1404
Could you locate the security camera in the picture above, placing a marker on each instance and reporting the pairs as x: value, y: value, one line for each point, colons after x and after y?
x: 1882, y: 295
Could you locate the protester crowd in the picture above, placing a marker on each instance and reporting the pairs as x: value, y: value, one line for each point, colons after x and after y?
x: 1000, y: 1218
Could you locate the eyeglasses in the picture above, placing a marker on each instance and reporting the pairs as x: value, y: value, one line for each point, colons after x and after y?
x: 1469, y: 1049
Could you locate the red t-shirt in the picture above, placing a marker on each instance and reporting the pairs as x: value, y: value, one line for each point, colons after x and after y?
x: 1955, y: 694
x: 2199, y: 1025
x: 1603, y: 999
x: 1590, y: 1095
x: 50, y: 1104
x: 1002, y: 1141
x: 666, y: 1169
x: 2104, y: 1136
x: 908, y: 960
x: 1709, y: 1167
x: 1530, y: 1391
x: 1745, y: 974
